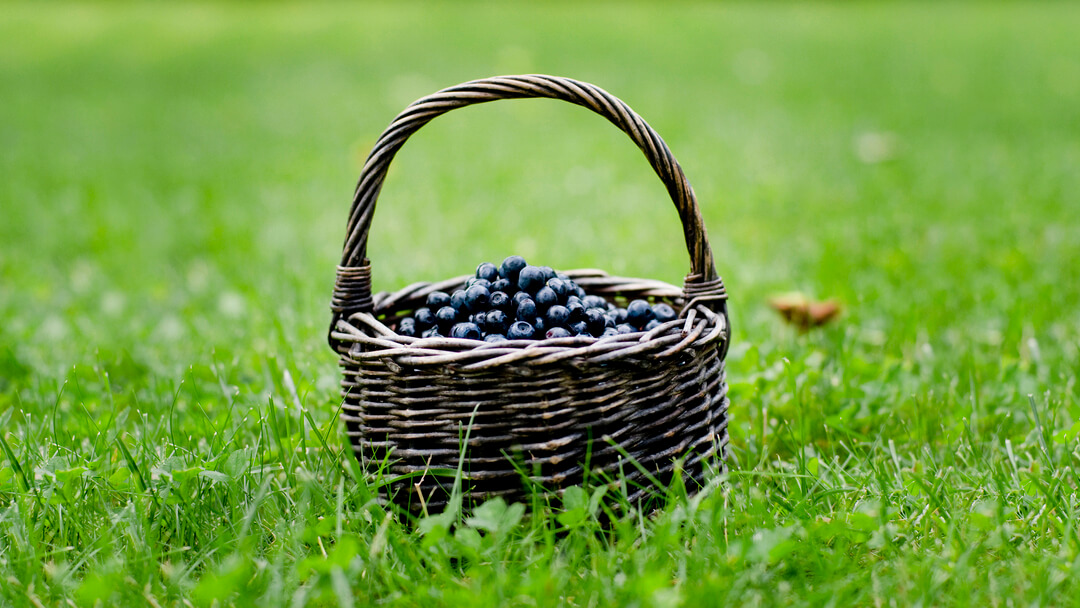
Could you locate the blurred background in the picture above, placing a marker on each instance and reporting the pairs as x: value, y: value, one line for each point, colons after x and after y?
x: 174, y: 186
x: 175, y: 179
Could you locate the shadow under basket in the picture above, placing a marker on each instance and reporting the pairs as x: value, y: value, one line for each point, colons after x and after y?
x: 534, y: 412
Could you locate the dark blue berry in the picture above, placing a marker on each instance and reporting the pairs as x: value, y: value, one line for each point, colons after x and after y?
x: 541, y: 327
x: 594, y: 319
x: 609, y: 320
x: 663, y: 312
x: 517, y: 298
x: 651, y: 325
x: 546, y: 297
x: 457, y: 300
x: 557, y: 332
x: 564, y: 277
x: 487, y: 271
x: 496, y: 322
x: 510, y: 268
x: 557, y: 316
x: 475, y: 281
x: 407, y: 327
x: 594, y: 302
x: 520, y: 330
x: 579, y: 329
x: 445, y: 317
x: 561, y: 288
x: 494, y: 338
x: 424, y: 318
x: 572, y: 299
x: 477, y: 298
x: 499, y: 301
x: 502, y: 285
x: 577, y: 311
x: 438, y: 299
x: 625, y: 328
x: 608, y: 332
x: 431, y: 333
x: 549, y: 273
x: 578, y: 291
x: 530, y: 279
x: 638, y: 313
x: 468, y: 331
x: 620, y: 316
x: 526, y: 310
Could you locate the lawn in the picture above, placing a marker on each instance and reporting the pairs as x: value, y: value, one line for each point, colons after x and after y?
x: 174, y: 185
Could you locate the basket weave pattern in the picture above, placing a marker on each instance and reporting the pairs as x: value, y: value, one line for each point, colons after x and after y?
x: 547, y: 409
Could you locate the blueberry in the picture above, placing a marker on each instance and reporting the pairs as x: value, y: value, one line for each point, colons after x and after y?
x: 608, y: 332
x: 541, y: 327
x: 518, y: 298
x: 548, y: 272
x: 477, y: 298
x: 468, y: 331
x: 530, y: 279
x: 651, y: 325
x: 480, y: 319
x: 546, y: 297
x: 557, y: 316
x: 407, y: 327
x: 594, y: 302
x: 502, y: 285
x: 638, y: 313
x: 578, y: 291
x: 609, y: 320
x: 563, y: 276
x: 557, y: 332
x: 488, y: 272
x: 438, y: 299
x: 475, y: 281
x: 595, y: 321
x: 561, y: 288
x: 494, y: 338
x: 572, y: 299
x: 496, y: 322
x: 663, y: 312
x: 577, y: 311
x: 625, y: 328
x: 424, y: 319
x: 445, y: 317
x: 526, y: 310
x: 520, y: 330
x: 457, y: 300
x: 579, y: 329
x: 510, y: 268
x: 620, y: 316
x: 499, y: 301
x: 431, y: 333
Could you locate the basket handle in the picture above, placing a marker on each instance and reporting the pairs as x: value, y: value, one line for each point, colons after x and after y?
x: 352, y: 291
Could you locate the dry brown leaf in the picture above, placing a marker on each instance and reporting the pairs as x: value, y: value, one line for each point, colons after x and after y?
x: 804, y: 313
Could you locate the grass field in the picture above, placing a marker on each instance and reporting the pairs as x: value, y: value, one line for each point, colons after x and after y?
x: 174, y: 184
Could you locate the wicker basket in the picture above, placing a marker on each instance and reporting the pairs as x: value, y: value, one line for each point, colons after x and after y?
x: 548, y: 410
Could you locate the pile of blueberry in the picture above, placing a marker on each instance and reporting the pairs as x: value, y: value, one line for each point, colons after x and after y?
x: 516, y: 301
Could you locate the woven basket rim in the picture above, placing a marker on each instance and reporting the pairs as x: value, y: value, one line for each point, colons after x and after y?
x: 696, y: 326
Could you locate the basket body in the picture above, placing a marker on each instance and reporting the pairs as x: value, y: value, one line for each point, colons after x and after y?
x: 634, y: 408
x: 562, y: 410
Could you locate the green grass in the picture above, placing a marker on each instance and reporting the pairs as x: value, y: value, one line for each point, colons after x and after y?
x: 173, y: 190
